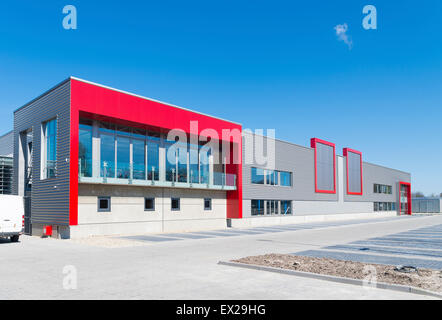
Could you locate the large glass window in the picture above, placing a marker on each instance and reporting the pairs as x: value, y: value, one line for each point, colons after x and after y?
x: 139, y: 159
x: 194, y: 164
x: 257, y: 207
x: 123, y: 157
x: 204, y: 164
x: 153, y: 158
x: 182, y: 163
x: 85, y: 149
x: 50, y: 148
x: 107, y: 148
x: 285, y: 178
x: 257, y: 176
x: 171, y: 161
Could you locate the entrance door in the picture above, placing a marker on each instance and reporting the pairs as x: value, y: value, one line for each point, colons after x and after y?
x: 405, y: 198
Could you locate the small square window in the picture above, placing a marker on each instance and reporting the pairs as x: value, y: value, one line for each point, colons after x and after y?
x: 207, y: 204
x: 175, y: 204
x: 104, y: 204
x: 149, y: 204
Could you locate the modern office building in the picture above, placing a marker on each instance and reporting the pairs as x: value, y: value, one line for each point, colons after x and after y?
x: 93, y: 160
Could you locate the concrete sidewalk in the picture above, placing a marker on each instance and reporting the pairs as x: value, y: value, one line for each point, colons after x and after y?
x: 185, y: 269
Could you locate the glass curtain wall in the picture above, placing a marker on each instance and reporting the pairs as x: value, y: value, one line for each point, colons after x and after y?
x: 129, y: 153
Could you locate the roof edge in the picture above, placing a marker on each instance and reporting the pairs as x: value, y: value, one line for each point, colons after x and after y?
x: 43, y: 94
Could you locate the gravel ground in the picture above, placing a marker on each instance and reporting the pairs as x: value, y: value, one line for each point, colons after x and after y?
x: 424, y: 278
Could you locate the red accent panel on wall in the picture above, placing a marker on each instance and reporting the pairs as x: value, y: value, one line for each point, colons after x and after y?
x: 345, y: 152
x: 105, y: 102
x: 313, y: 143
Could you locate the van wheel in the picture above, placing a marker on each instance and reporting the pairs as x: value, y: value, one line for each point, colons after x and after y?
x: 14, y: 238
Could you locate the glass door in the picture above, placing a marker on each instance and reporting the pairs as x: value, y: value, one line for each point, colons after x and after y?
x: 405, y: 198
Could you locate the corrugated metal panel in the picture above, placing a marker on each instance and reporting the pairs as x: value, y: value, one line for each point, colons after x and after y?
x: 50, y: 197
x: 288, y: 157
x: 300, y: 161
x: 6, y: 144
x: 380, y: 175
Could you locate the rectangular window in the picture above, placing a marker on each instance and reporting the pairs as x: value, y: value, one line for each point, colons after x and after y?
x: 272, y: 177
x: 194, y: 164
x: 171, y: 161
x: 257, y: 176
x: 139, y: 159
x: 381, y: 188
x: 257, y: 207
x: 205, y: 153
x: 175, y: 204
x: 207, y: 204
x: 107, y: 156
x: 123, y: 157
x: 153, y: 158
x: 182, y: 163
x: 49, y: 147
x: 285, y: 178
x: 286, y: 207
x: 104, y: 204
x: 149, y: 204
x: 85, y: 148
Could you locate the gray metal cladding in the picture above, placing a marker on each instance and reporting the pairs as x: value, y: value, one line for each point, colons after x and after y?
x: 300, y: 161
x: 375, y: 174
x: 354, y: 172
x: 50, y: 197
x: 288, y: 157
x: 325, y: 167
x: 6, y: 144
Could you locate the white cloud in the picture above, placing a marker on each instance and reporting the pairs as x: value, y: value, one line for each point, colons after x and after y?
x: 341, y: 33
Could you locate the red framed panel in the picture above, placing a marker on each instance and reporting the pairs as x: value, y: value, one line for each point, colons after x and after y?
x: 108, y: 103
x: 345, y: 152
x: 408, y: 184
x: 313, y: 143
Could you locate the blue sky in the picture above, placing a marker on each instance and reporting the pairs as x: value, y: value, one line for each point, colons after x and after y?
x: 265, y: 64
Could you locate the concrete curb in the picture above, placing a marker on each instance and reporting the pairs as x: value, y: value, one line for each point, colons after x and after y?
x: 358, y: 282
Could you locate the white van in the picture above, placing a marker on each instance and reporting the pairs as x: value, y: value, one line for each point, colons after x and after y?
x: 11, y: 217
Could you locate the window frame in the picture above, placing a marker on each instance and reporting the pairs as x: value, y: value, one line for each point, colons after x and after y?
x: 254, y: 173
x: 210, y: 204
x: 44, y: 173
x: 153, y: 203
x: 179, y: 204
x: 109, y: 209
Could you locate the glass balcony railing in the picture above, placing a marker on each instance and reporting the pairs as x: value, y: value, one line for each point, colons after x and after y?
x: 125, y: 173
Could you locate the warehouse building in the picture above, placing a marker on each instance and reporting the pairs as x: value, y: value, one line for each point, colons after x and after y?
x: 93, y: 160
